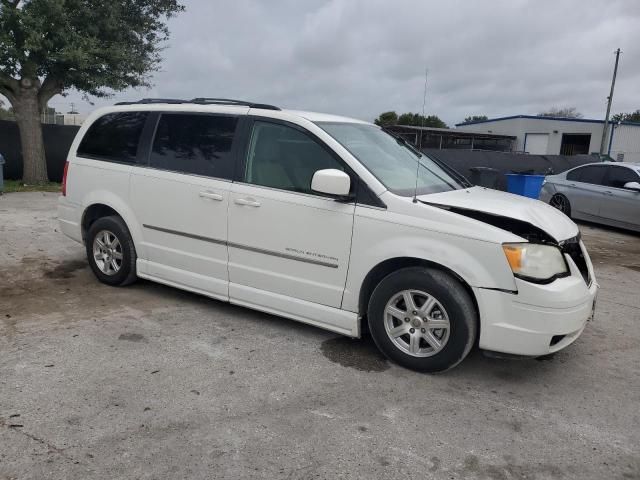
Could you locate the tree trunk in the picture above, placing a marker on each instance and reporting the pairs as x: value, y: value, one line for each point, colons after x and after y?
x: 26, y: 108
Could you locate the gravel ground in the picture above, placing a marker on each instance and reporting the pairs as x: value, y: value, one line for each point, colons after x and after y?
x: 151, y: 382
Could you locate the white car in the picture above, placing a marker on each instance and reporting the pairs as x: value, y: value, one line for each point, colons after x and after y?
x: 326, y: 220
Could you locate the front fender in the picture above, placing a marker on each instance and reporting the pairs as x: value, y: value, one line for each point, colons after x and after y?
x: 479, y: 263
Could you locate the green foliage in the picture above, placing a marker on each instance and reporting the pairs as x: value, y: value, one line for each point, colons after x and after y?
x: 414, y: 119
x: 386, y: 119
x: 12, y: 186
x: 475, y: 118
x: 417, y: 120
x: 627, y: 117
x: 568, y: 112
x: 90, y: 45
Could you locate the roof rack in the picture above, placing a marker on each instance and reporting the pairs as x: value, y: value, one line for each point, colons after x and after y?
x: 202, y: 101
x: 154, y: 100
x: 229, y: 101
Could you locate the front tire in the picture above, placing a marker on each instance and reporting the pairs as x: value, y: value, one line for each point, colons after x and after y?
x: 111, y: 252
x: 561, y: 202
x: 423, y: 319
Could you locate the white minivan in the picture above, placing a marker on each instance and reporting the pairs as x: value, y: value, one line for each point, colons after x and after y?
x: 326, y: 220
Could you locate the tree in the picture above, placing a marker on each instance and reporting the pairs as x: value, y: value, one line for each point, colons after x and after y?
x: 50, y: 46
x: 626, y: 117
x: 386, y: 119
x: 568, y: 112
x: 417, y: 120
x: 475, y: 118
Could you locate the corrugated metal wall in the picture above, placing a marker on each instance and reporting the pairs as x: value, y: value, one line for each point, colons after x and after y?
x: 626, y: 141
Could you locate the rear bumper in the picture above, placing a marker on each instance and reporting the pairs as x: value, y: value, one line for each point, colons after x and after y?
x: 70, y: 219
x: 538, y: 319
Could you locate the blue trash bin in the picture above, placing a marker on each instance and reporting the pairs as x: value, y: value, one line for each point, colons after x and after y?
x: 525, y: 185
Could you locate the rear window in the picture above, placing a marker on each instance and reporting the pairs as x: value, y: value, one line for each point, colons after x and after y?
x: 198, y: 144
x: 114, y: 137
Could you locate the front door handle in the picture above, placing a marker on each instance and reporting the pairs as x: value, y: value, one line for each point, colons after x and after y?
x: 250, y: 202
x: 608, y: 192
x: 211, y: 195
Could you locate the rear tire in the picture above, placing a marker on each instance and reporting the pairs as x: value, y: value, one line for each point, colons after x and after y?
x: 423, y: 319
x: 111, y: 252
x: 562, y: 203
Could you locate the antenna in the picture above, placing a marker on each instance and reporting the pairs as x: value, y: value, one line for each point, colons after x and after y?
x: 424, y: 103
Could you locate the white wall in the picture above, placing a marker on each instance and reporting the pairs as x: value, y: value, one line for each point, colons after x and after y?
x: 626, y: 139
x: 519, y: 127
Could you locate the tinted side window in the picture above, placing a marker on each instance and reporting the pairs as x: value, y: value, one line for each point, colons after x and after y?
x: 575, y: 174
x: 618, y: 176
x: 114, y: 137
x: 593, y: 174
x: 283, y: 157
x: 199, y: 144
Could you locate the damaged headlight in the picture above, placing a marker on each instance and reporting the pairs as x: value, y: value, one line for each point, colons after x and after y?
x: 535, y: 262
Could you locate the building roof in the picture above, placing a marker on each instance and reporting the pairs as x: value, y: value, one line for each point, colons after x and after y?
x: 536, y: 117
x: 450, y: 131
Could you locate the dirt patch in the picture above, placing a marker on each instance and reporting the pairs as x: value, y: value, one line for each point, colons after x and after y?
x: 132, y: 337
x: 359, y: 354
x: 66, y: 269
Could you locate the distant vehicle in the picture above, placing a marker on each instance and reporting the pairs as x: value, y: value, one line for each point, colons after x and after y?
x: 605, y: 192
x: 326, y: 220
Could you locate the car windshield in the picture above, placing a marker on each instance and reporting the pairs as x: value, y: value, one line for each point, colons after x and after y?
x: 392, y: 160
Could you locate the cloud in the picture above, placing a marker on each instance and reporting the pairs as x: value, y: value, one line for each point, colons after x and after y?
x: 359, y: 58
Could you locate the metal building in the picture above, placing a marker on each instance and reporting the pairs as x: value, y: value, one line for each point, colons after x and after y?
x: 563, y: 136
x: 449, y: 138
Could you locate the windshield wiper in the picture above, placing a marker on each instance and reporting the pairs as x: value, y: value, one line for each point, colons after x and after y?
x: 402, y: 141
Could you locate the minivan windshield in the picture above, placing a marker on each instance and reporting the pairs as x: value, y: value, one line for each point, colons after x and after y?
x: 392, y: 160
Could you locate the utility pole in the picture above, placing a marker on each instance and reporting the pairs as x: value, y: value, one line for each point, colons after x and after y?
x: 605, y: 129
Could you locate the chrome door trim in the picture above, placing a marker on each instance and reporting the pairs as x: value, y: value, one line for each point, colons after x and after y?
x: 243, y: 247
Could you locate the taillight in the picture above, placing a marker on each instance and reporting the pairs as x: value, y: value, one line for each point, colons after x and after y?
x: 64, y: 179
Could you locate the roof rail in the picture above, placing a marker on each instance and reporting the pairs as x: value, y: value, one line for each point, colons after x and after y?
x: 202, y: 101
x: 154, y: 100
x: 229, y: 101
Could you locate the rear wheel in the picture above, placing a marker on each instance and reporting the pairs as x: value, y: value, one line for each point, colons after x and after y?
x: 561, y: 202
x: 423, y: 319
x: 110, y: 251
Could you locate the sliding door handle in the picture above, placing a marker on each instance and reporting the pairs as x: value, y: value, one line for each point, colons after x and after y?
x: 250, y: 202
x: 211, y: 196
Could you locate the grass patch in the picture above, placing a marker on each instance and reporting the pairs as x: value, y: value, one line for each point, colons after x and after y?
x: 11, y: 186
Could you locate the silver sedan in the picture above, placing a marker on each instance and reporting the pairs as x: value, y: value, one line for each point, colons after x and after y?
x: 605, y: 192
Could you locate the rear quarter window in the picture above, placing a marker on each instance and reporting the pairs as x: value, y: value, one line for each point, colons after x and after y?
x: 113, y: 137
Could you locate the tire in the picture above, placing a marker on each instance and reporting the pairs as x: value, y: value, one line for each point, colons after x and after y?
x: 446, y: 300
x: 562, y: 203
x: 123, y: 251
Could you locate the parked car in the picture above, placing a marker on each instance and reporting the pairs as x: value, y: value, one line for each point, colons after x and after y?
x: 326, y: 220
x: 605, y: 192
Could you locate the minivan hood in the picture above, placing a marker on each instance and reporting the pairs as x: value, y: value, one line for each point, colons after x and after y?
x: 507, y: 206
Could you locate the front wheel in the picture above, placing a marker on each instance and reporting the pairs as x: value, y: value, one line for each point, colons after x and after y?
x: 561, y: 202
x: 423, y: 319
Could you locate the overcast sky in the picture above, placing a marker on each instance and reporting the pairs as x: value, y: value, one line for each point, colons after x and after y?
x: 362, y: 57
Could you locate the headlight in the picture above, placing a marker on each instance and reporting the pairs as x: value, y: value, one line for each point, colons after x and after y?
x: 535, y: 262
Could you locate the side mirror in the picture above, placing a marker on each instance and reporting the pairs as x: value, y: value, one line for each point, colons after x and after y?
x: 332, y: 182
x: 632, y: 186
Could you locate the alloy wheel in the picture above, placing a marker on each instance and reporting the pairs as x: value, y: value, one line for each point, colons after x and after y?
x: 417, y: 323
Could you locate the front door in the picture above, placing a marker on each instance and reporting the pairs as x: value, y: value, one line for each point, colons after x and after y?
x: 284, y: 238
x: 621, y: 204
x: 181, y: 200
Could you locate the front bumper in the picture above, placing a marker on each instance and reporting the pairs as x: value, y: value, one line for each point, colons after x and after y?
x: 538, y: 319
